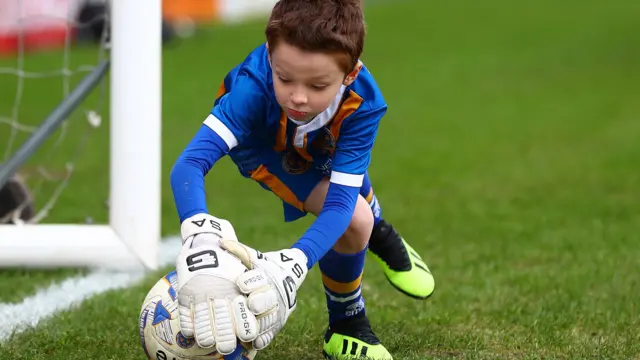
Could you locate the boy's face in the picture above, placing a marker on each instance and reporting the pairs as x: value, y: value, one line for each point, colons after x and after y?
x: 305, y: 83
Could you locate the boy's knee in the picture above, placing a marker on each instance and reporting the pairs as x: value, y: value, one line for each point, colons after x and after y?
x: 356, y: 238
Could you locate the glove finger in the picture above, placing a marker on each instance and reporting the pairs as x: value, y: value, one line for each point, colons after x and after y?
x: 203, y: 323
x: 224, y: 327
x: 247, y: 255
x: 263, y: 301
x: 227, y: 232
x: 267, y: 322
x: 245, y: 321
x: 264, y: 340
x: 252, y: 280
x: 186, y: 320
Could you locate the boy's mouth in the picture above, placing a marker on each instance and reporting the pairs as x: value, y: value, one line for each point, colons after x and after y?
x: 297, y: 114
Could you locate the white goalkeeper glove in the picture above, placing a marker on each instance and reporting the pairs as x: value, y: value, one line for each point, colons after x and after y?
x: 271, y: 285
x: 211, y: 307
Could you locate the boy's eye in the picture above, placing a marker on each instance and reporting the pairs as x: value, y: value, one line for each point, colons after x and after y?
x: 319, y: 87
x: 284, y: 80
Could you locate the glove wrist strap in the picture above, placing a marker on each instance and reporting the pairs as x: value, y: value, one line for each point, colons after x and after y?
x: 205, y: 223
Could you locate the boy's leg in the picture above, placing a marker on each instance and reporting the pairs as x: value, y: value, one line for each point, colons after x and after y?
x: 349, y: 333
x: 402, y: 265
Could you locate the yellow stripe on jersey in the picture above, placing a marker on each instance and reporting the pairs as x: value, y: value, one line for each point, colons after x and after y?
x: 281, y: 137
x: 281, y: 190
x: 350, y: 105
x: 303, y: 150
x: 221, y: 91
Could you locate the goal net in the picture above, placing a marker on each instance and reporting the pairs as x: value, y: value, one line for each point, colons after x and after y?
x: 79, y: 125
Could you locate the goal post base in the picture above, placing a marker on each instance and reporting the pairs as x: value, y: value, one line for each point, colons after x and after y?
x: 70, y: 246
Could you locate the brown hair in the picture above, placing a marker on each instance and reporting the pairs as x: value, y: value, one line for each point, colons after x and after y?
x: 329, y: 26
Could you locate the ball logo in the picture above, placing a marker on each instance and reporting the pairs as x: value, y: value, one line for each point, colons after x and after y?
x: 184, y: 342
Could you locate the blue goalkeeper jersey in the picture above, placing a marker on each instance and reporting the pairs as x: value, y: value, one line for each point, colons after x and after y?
x: 248, y: 124
x: 249, y: 119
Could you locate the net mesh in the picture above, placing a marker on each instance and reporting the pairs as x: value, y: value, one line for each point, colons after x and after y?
x: 34, y: 77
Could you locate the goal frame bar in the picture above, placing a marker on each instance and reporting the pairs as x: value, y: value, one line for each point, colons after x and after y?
x: 132, y: 237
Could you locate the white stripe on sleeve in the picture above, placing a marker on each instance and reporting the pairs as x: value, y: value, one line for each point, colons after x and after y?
x: 222, y: 130
x: 347, y: 179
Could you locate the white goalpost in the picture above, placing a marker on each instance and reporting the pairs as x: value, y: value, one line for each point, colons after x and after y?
x: 132, y: 236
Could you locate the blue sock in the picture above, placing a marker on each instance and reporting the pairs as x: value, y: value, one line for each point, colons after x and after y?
x: 366, y: 190
x: 342, y: 279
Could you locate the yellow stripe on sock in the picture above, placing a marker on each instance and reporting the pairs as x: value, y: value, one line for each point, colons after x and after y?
x: 369, y: 196
x: 339, y: 287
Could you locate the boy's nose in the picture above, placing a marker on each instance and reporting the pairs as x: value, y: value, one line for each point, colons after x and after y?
x: 298, y: 98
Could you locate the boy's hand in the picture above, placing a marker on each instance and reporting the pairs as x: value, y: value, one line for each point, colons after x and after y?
x: 271, y: 285
x: 211, y: 307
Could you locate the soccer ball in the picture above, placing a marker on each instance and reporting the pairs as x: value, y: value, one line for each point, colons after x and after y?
x: 160, y: 329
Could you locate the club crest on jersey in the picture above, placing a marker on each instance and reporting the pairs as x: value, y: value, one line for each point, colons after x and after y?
x: 293, y: 163
x: 324, y: 142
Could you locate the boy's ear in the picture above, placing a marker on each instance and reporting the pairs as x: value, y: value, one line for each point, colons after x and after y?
x: 351, y: 77
x: 268, y: 53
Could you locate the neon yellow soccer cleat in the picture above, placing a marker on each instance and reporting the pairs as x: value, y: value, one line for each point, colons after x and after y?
x: 353, y: 339
x: 402, y: 265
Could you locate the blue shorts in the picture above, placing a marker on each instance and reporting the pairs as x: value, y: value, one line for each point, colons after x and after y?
x: 286, y: 174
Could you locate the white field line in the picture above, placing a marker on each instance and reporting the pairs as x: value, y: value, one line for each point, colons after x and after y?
x: 15, y: 318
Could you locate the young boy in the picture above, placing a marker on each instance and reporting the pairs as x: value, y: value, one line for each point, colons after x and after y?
x: 299, y: 116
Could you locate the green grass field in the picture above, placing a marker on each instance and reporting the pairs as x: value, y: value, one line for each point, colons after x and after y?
x: 509, y: 159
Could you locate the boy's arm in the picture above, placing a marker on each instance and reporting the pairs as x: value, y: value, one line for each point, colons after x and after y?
x: 202, y: 266
x: 276, y: 276
x: 349, y: 164
x: 187, y: 175
x: 229, y: 123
